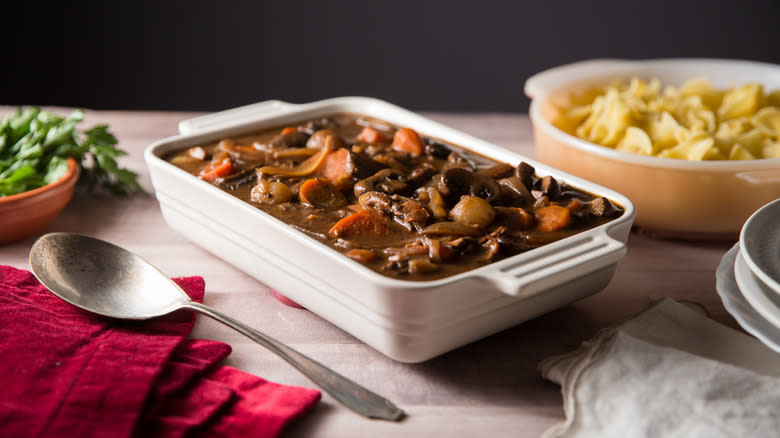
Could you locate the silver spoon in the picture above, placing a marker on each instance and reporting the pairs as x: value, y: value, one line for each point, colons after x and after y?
x: 103, y: 278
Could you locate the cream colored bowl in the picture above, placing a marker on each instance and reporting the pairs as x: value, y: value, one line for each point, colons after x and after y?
x: 678, y: 198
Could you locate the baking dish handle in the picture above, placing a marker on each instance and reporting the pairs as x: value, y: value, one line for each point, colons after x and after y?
x: 551, y: 79
x: 557, y: 265
x: 232, y: 116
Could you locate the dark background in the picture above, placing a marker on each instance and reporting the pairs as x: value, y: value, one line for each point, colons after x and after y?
x: 438, y: 55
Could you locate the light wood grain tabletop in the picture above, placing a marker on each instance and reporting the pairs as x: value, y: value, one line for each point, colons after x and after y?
x: 488, y: 388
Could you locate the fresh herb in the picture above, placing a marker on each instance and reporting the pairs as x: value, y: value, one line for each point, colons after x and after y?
x: 35, y: 144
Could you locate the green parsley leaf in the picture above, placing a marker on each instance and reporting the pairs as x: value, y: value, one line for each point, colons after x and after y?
x: 35, y: 145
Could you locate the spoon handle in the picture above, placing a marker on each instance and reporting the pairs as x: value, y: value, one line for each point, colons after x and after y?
x: 349, y: 393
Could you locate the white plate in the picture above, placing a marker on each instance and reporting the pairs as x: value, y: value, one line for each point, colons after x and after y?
x: 737, y: 305
x: 765, y: 301
x: 760, y: 244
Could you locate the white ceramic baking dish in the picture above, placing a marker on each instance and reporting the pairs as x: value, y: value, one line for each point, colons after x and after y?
x: 409, y: 321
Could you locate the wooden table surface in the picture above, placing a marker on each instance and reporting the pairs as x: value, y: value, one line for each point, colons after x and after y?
x: 488, y: 388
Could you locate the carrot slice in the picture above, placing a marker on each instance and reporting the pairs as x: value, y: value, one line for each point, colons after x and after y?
x: 288, y: 130
x: 408, y: 140
x: 220, y: 169
x: 552, y: 218
x: 365, y: 222
x: 336, y: 168
x: 320, y: 193
x: 371, y: 135
x: 515, y: 218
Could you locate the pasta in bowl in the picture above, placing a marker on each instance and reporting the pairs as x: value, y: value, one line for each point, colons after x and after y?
x: 695, y: 121
x: 693, y: 143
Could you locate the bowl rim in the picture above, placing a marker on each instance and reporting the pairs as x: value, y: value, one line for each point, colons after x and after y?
x: 598, y: 67
x: 72, y: 174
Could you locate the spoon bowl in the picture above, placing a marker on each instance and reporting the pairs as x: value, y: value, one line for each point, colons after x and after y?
x: 108, y: 280
x: 102, y: 278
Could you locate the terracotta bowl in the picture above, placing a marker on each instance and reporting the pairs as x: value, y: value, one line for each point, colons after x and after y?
x: 673, y: 198
x: 29, y: 213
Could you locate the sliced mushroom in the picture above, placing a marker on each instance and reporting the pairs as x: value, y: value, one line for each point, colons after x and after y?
x: 490, y: 247
x: 526, y: 173
x: 497, y: 171
x: 455, y: 160
x: 420, y: 175
x: 462, y: 245
x: 550, y: 187
x: 294, y: 139
x: 395, y: 160
x: 388, y: 181
x: 434, y: 201
x: 405, y: 211
x: 376, y: 200
x: 321, y: 193
x: 319, y: 139
x: 398, y: 266
x: 456, y: 182
x: 412, y: 212
x: 437, y: 150
x: 576, y: 207
x: 231, y: 182
x: 449, y: 187
x: 434, y: 249
x: 601, y: 207
x: 513, y: 190
x: 363, y: 167
x: 515, y: 242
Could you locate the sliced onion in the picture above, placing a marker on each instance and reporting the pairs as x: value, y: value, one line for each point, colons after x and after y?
x: 304, y: 169
x: 295, y: 152
x: 450, y: 229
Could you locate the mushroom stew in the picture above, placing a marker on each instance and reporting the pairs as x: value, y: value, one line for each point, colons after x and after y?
x: 402, y: 204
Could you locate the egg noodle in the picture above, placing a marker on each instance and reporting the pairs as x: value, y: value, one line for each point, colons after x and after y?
x: 695, y: 121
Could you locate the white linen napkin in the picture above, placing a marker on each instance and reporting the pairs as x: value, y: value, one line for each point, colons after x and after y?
x: 668, y: 372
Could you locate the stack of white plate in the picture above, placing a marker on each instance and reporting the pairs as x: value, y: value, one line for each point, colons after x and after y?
x: 748, y: 278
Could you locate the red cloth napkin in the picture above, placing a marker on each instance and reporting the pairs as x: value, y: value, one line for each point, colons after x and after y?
x: 66, y: 373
